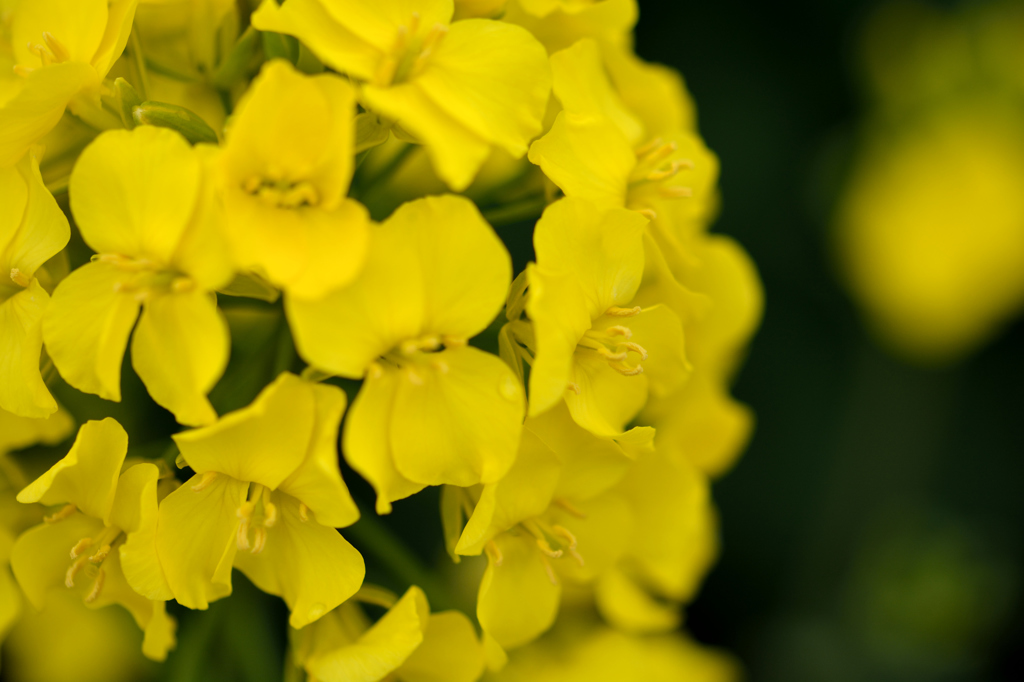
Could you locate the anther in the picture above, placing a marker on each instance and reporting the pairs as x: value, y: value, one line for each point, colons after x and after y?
x: 609, y: 355
x: 615, y: 311
x: 182, y: 284
x: 648, y: 213
x: 22, y: 71
x: 625, y: 369
x: 20, y: 278
x: 546, y: 550
x: 69, y: 577
x: 572, y: 509
x: 454, y: 341
x: 657, y: 154
x: 100, y: 555
x: 270, y: 514
x: 374, y: 371
x: 440, y: 365
x: 649, y: 147
x: 414, y: 378
x: 575, y: 388
x: 80, y: 547
x: 636, y: 348
x: 206, y: 480
x: 97, y: 587
x: 242, y: 538
x: 494, y: 552
x: 549, y: 569
x: 66, y: 511
x: 303, y: 512
x: 57, y: 49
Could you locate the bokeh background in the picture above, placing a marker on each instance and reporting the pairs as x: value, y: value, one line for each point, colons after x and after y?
x: 873, y: 530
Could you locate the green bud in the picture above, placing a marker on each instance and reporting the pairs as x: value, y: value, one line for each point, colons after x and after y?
x: 280, y: 46
x: 236, y: 64
x: 126, y: 98
x: 190, y: 125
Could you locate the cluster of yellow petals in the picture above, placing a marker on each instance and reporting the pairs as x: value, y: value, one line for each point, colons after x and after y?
x: 350, y: 157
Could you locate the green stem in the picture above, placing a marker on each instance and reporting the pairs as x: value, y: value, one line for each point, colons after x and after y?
x: 375, y: 538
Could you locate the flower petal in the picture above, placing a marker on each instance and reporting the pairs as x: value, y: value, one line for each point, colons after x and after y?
x: 607, y: 400
x: 40, y: 556
x: 517, y: 600
x: 317, y: 482
x: 134, y: 193
x: 311, y: 566
x: 22, y: 389
x: 263, y: 443
x: 179, y: 350
x: 86, y: 328
x: 457, y: 419
x: 197, y: 539
x: 43, y: 230
x: 135, y: 512
x: 450, y: 652
x: 87, y: 476
x: 366, y: 440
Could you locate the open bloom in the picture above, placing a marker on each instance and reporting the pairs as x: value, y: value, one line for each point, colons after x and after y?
x: 285, y: 171
x: 408, y: 644
x: 432, y: 410
x: 557, y: 24
x: 266, y: 498
x: 585, y: 340
x: 101, y: 541
x: 32, y: 230
x: 598, y: 150
x: 62, y: 51
x: 553, y: 516
x: 140, y: 201
x: 459, y: 87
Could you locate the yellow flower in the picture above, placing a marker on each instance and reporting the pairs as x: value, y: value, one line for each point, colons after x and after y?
x: 431, y: 410
x: 62, y: 51
x: 459, y: 87
x: 582, y: 650
x: 32, y: 229
x: 266, y: 498
x: 107, y: 526
x: 722, y: 303
x: 557, y: 24
x: 141, y: 201
x: 408, y: 643
x: 938, y: 277
x: 670, y: 547
x: 285, y: 171
x: 590, y: 344
x: 187, y: 37
x: 598, y: 150
x: 550, y: 517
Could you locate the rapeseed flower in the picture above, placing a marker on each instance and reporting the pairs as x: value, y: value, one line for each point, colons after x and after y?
x: 140, y: 201
x: 269, y: 495
x: 32, y: 230
x: 458, y: 87
x: 100, y: 542
x: 432, y: 410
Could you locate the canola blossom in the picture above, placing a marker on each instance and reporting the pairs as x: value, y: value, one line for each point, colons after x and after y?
x: 256, y: 252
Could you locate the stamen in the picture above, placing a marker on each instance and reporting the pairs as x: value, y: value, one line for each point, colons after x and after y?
x: 545, y: 549
x: 22, y: 71
x: 440, y: 365
x: 374, y: 371
x: 414, y: 378
x: 616, y: 311
x: 251, y: 185
x: 57, y: 49
x: 636, y: 348
x: 648, y: 213
x: 182, y: 284
x: 575, y: 388
x: 675, y: 192
x: 97, y: 587
x: 206, y: 480
x: 658, y: 154
x: 303, y: 512
x: 549, y: 569
x: 455, y: 341
x: 649, y: 147
x: 66, y: 511
x: 569, y: 507
x: 270, y: 514
x: 242, y: 539
x: 80, y: 547
x: 69, y: 577
x: 100, y: 555
x: 259, y: 539
x: 608, y: 355
x: 20, y: 278
x: 625, y: 369
x: 494, y: 552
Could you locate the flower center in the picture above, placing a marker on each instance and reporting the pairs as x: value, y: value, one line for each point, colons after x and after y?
x: 50, y: 51
x: 614, y: 345
x: 553, y: 540
x: 410, y: 52
x: 257, y: 514
x: 413, y: 355
x: 280, y: 193
x: 88, y: 554
x: 656, y: 171
x: 144, y: 277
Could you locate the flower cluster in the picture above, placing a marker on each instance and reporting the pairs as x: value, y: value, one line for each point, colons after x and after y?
x: 178, y: 173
